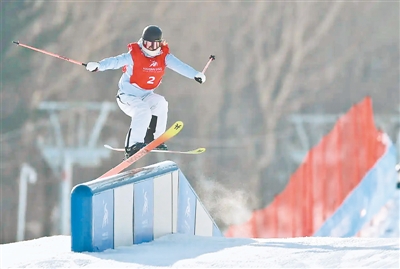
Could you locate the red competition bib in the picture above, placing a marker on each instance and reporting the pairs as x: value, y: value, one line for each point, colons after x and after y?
x: 147, y: 72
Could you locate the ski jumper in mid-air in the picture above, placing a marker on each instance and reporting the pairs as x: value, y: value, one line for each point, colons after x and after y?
x: 143, y: 69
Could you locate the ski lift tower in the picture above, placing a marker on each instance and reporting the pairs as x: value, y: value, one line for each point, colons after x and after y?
x: 69, y: 142
x: 311, y: 128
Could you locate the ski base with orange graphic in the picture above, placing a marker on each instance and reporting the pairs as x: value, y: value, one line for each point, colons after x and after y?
x: 168, y: 134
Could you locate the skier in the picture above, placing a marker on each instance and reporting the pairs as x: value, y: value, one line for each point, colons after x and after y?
x: 143, y: 68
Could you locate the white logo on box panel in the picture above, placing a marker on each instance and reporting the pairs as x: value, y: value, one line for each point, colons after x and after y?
x: 105, y: 215
x: 145, y: 203
x: 187, y: 210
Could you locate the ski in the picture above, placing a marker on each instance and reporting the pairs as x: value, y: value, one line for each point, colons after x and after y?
x: 192, y: 152
x: 171, y: 132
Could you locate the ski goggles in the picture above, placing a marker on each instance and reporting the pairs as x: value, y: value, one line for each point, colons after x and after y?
x: 152, y: 45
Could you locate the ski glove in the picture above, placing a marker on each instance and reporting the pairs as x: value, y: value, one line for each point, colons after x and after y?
x: 200, y: 78
x: 92, y: 66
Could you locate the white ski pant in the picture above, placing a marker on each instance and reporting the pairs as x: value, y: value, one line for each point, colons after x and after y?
x: 141, y: 109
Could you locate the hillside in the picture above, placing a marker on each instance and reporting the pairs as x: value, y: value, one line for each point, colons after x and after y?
x: 273, y: 60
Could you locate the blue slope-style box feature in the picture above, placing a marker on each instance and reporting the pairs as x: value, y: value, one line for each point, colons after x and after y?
x: 98, y: 222
x: 82, y: 229
x: 372, y: 193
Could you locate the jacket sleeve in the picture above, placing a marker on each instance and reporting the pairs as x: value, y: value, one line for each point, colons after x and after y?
x: 116, y: 62
x: 180, y: 67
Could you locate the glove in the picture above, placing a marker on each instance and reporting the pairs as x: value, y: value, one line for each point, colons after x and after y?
x: 92, y: 66
x: 200, y: 77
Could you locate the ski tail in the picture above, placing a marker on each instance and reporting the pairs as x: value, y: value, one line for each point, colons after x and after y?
x: 171, y: 132
x: 191, y: 152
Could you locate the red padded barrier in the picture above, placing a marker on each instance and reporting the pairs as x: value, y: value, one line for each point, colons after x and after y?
x: 329, y: 172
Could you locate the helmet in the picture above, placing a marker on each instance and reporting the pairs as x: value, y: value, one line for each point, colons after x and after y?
x: 152, y: 33
x: 151, y: 40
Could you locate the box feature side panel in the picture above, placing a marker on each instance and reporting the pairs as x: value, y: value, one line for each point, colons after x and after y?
x: 175, y: 188
x: 103, y: 221
x: 143, y: 211
x: 162, y: 205
x: 123, y: 216
x: 186, y: 207
x: 204, y: 224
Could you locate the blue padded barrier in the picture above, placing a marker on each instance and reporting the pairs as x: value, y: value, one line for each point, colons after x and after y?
x: 374, y: 191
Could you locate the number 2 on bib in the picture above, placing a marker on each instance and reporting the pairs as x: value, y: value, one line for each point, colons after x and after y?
x: 151, y: 80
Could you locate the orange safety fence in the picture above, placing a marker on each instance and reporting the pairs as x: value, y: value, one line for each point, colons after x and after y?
x: 327, y: 175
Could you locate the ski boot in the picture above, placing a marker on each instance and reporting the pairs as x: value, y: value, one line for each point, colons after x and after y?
x: 129, y: 151
x: 162, y: 147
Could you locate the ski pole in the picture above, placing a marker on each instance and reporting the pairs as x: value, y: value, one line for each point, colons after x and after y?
x: 212, y: 58
x: 49, y: 53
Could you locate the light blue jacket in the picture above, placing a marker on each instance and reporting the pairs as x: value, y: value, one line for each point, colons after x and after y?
x: 124, y: 84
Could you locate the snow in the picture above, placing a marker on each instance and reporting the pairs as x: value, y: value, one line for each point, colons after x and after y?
x: 376, y: 247
x: 189, y: 251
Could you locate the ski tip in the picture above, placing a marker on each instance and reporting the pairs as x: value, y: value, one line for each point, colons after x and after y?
x: 196, y: 151
x: 178, y: 125
x: 200, y: 150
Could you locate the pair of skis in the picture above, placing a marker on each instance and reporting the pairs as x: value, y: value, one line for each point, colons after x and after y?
x: 171, y: 132
x: 194, y: 151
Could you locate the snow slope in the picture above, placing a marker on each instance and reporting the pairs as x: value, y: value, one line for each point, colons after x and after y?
x: 188, y: 251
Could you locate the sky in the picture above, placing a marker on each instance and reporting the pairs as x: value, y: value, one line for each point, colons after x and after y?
x: 376, y: 247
